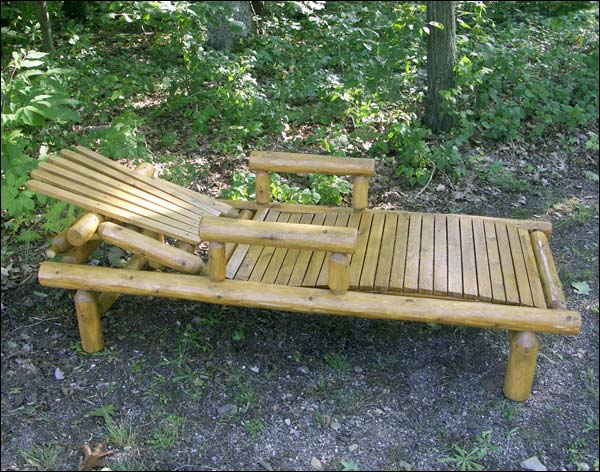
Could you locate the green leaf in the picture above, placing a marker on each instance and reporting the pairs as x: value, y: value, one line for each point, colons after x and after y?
x: 581, y: 288
x: 590, y: 175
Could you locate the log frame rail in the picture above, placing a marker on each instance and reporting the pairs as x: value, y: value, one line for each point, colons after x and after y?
x: 133, y: 221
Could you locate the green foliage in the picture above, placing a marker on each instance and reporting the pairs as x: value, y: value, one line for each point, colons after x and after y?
x: 470, y: 460
x: 325, y: 189
x: 32, y: 98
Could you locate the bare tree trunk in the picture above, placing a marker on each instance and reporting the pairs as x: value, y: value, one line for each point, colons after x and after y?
x: 221, y: 36
x: 441, y: 57
x: 41, y: 12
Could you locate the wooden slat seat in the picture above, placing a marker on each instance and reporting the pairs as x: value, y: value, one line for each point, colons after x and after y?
x: 93, y: 182
x: 429, y: 255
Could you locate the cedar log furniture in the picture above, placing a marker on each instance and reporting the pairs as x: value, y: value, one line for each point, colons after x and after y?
x: 396, y: 265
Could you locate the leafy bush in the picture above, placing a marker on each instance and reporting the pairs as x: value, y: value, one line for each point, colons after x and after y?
x: 32, y: 98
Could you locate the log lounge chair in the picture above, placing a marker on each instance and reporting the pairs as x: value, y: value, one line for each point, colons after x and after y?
x: 451, y: 269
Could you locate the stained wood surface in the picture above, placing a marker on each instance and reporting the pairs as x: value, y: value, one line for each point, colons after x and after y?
x: 93, y: 182
x: 442, y: 256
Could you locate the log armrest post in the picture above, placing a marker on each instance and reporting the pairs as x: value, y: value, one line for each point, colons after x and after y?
x: 337, y: 274
x: 360, y: 193
x: 217, y: 262
x: 262, y: 187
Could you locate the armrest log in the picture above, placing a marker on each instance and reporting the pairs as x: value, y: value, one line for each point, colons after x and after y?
x: 338, y: 241
x: 288, y: 235
x: 360, y: 169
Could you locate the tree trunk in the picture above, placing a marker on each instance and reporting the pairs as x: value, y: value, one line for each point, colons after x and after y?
x: 221, y: 34
x: 441, y: 57
x: 41, y: 13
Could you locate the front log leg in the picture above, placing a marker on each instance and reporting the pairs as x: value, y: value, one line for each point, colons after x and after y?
x: 88, y: 320
x: 524, y: 346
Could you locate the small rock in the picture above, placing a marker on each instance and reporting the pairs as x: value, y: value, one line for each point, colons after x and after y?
x: 226, y: 409
x: 26, y: 348
x: 335, y: 424
x: 582, y: 466
x: 440, y: 188
x: 266, y: 464
x: 357, y: 369
x: 58, y: 374
x: 316, y: 464
x: 287, y: 421
x: 303, y: 370
x: 353, y: 447
x: 255, y: 369
x: 533, y: 463
x: 377, y: 411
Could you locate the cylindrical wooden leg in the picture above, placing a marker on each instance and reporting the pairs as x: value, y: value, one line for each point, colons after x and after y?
x: 522, y: 357
x: 88, y: 320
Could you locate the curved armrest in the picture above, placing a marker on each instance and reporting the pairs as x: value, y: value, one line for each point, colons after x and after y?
x: 310, y: 164
x: 288, y: 235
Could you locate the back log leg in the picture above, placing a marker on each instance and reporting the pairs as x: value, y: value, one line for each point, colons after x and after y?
x: 524, y: 346
x: 88, y: 320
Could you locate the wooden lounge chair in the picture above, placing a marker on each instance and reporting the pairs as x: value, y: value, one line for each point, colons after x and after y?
x: 451, y: 269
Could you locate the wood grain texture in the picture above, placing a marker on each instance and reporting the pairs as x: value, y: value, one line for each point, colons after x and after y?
x: 399, y: 257
x: 469, y: 269
x: 455, y: 287
x: 309, y: 300
x: 426, y: 256
x: 440, y: 274
x: 497, y: 281
x: 309, y: 163
x: 484, y: 283
x: 508, y: 270
x: 386, y: 253
x: 367, y: 277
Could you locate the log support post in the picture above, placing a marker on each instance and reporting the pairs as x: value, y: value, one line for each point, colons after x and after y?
x: 88, y: 320
x: 83, y: 229
x: 262, y: 187
x: 524, y: 346
x: 338, y: 273
x: 217, y: 261
x: 360, y: 192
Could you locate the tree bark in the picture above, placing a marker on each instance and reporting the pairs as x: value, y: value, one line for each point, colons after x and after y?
x: 221, y: 36
x: 41, y: 13
x: 441, y: 57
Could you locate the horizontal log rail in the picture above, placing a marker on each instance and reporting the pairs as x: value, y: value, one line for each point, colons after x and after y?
x: 309, y: 300
x: 273, y: 234
x: 310, y: 164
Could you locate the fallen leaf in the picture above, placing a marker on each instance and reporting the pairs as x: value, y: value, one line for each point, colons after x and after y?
x: 581, y: 288
x: 93, y: 459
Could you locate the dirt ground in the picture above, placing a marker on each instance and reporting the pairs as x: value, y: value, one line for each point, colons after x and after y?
x: 192, y: 386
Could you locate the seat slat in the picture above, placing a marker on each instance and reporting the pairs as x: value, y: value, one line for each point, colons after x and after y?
x: 497, y: 281
x: 304, y: 257
x: 112, y: 211
x: 399, y: 258
x: 193, y: 197
x: 519, y: 265
x: 276, y: 262
x: 292, y: 255
x: 367, y: 277
x: 109, y: 196
x: 84, y: 175
x: 242, y: 249
x: 341, y: 222
x: 535, y: 283
x: 253, y: 253
x: 386, y: 253
x: 358, y: 258
x: 440, y: 275
x: 469, y: 270
x: 508, y: 270
x: 141, y: 182
x: 455, y: 287
x: 266, y: 255
x: 481, y: 258
x: 426, y: 256
x: 316, y: 261
x: 413, y: 251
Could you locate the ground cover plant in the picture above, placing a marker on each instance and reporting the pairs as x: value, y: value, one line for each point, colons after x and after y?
x: 188, y: 386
